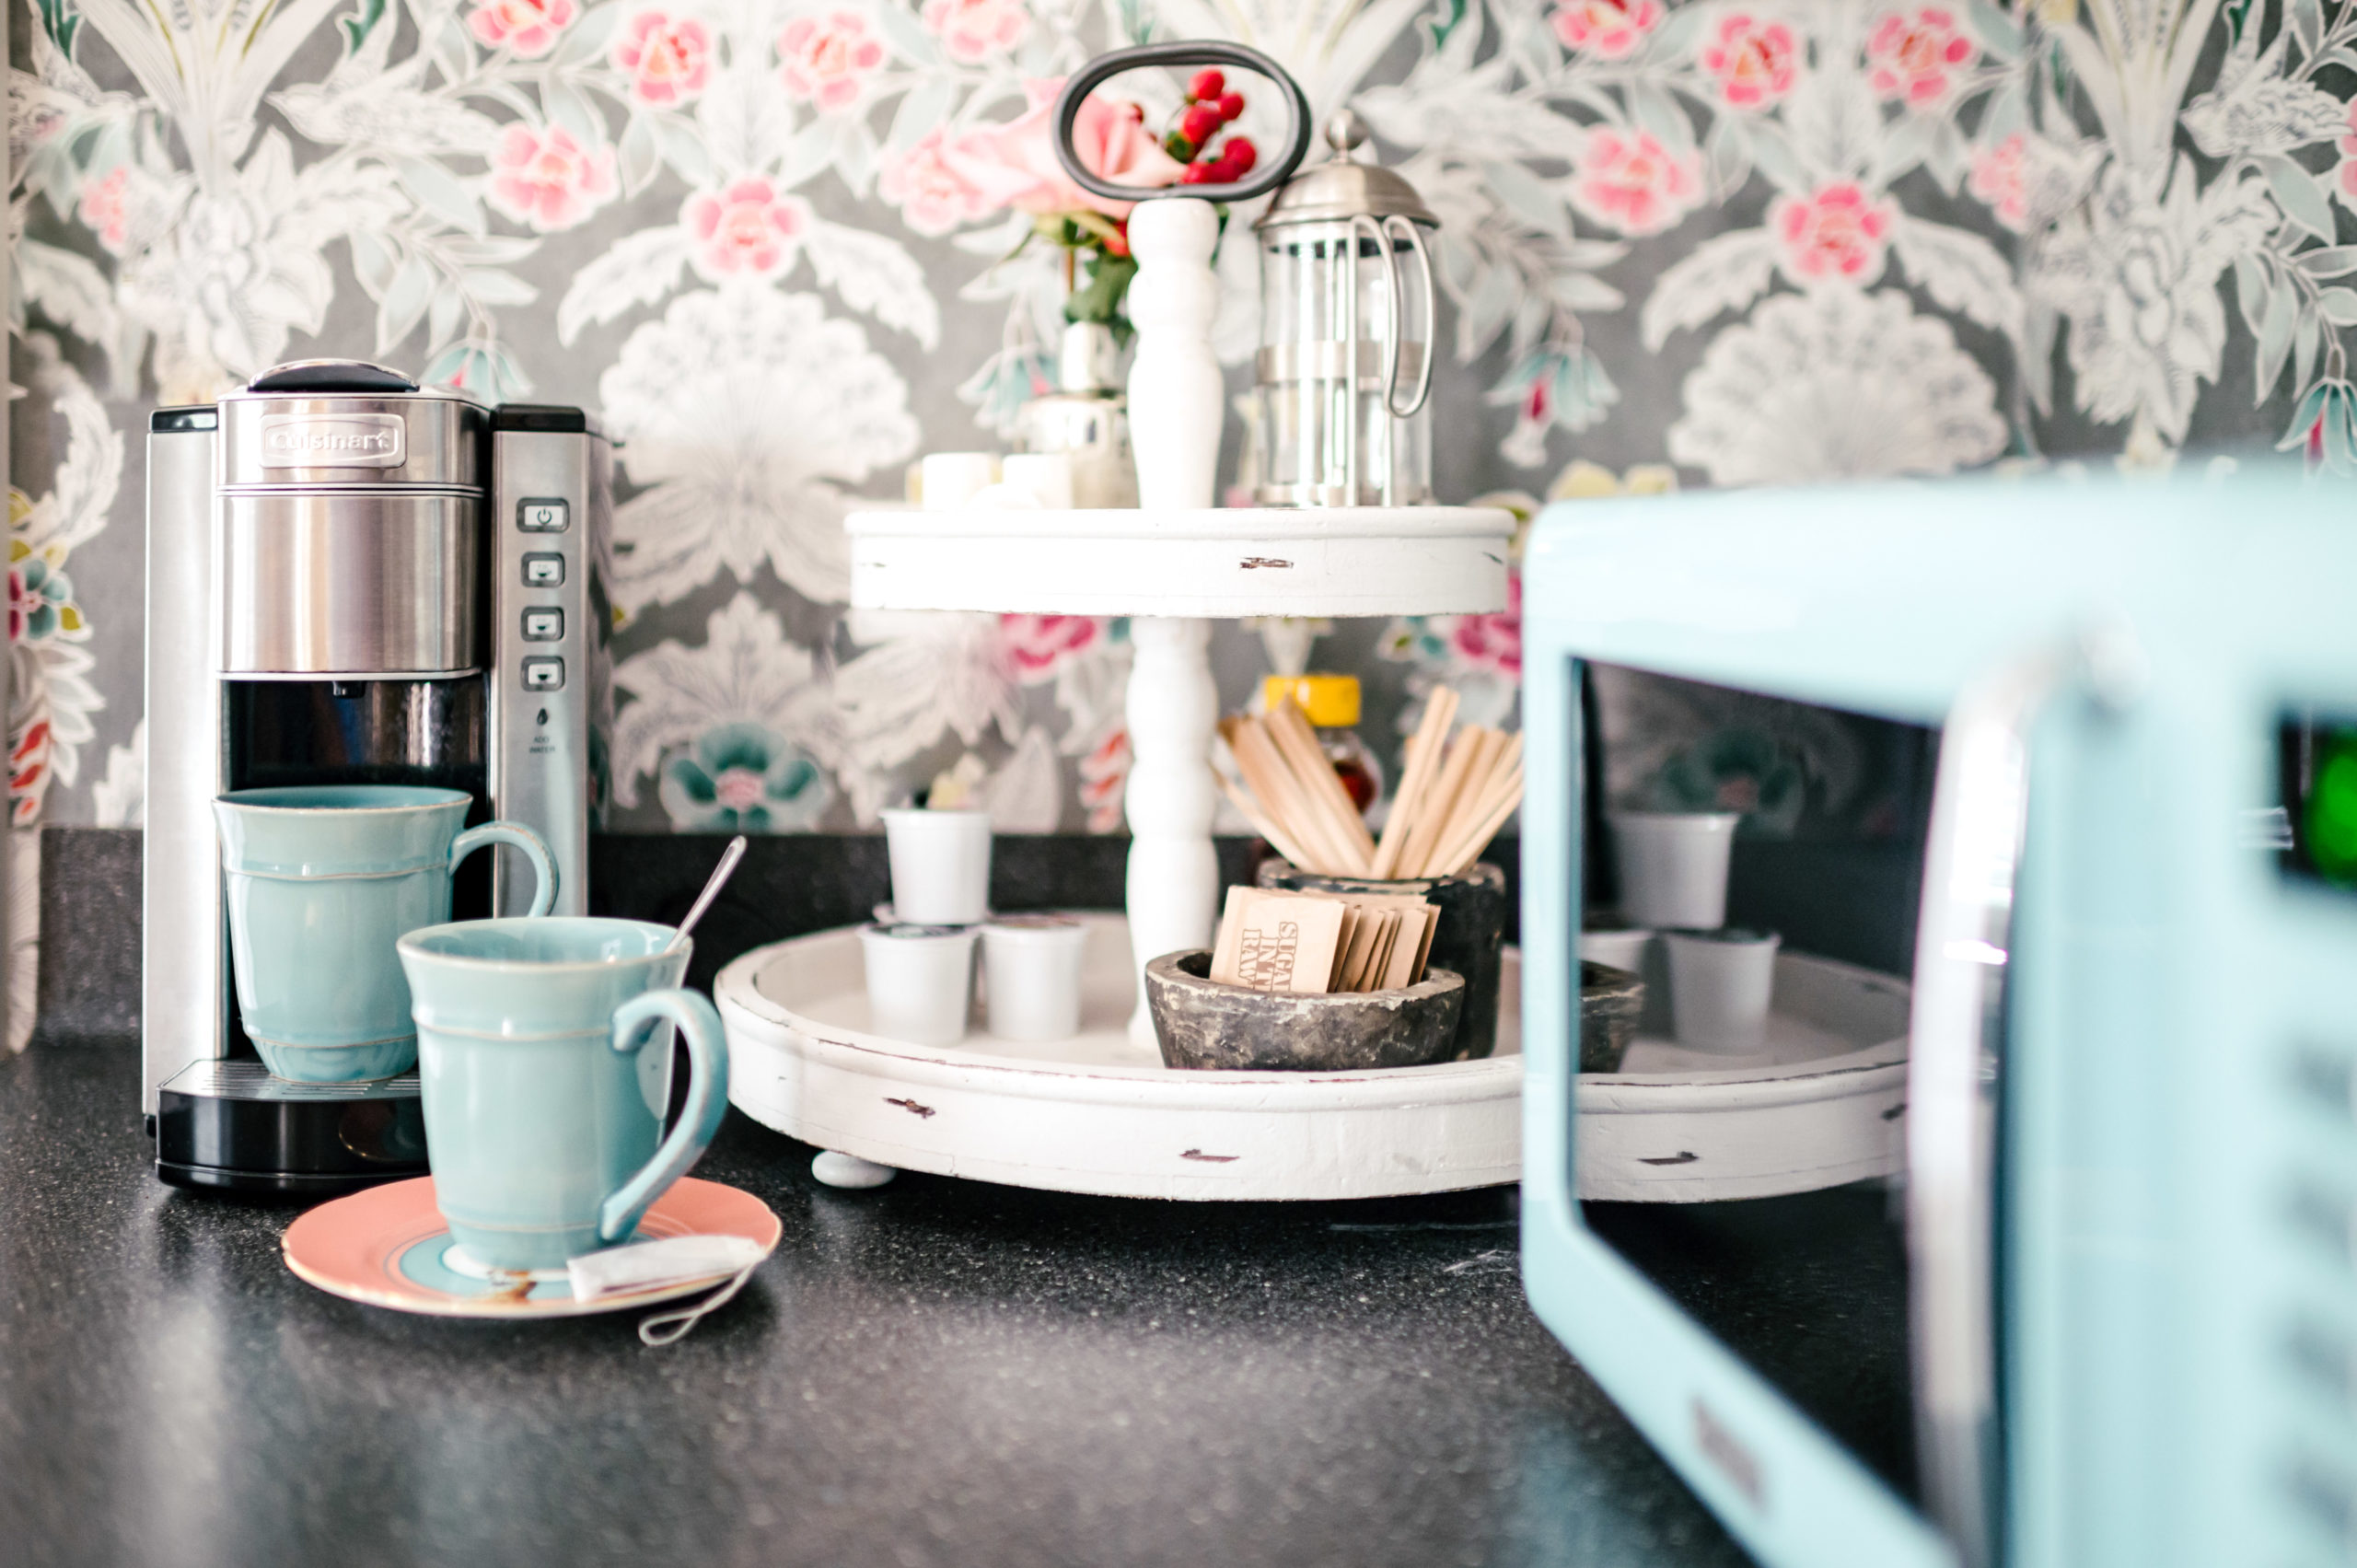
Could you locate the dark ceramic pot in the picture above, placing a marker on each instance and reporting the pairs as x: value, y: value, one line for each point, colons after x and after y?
x: 1202, y: 1023
x: 1610, y: 1003
x: 1470, y: 938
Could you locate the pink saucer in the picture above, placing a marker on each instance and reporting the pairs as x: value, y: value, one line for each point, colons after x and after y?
x: 388, y: 1246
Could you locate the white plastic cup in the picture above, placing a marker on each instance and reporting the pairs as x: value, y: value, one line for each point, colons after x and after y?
x: 951, y: 480
x: 1674, y: 866
x: 1619, y: 949
x: 941, y: 865
x: 919, y: 981
x: 1046, y: 475
x: 1031, y: 975
x: 1720, y: 985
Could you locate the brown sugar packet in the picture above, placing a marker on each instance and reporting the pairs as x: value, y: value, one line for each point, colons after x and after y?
x: 1415, y: 937
x: 1231, y: 930
x: 1350, y: 958
x: 1387, y: 930
x: 1287, y: 944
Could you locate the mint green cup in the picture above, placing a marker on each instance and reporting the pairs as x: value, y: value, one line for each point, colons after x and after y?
x: 544, y: 1069
x: 322, y: 881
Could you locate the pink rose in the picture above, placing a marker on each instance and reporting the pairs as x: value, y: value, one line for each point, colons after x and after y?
x: 827, y: 58
x: 1913, y: 57
x: 529, y: 28
x: 1038, y: 645
x: 1113, y: 144
x: 2000, y: 177
x: 1838, y: 232
x: 1491, y: 642
x: 976, y: 30
x: 750, y: 230
x: 1752, y: 60
x: 934, y: 185
x: 1606, y: 29
x: 1628, y: 181
x: 106, y: 208
x: 2345, y: 175
x: 547, y: 179
x: 668, y: 61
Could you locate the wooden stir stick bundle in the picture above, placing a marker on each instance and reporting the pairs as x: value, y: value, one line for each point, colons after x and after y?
x: 1455, y: 796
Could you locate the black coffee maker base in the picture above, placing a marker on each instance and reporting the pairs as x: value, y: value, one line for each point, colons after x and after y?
x: 230, y: 1127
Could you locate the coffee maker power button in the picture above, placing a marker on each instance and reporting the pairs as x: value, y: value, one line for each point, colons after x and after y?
x: 541, y: 515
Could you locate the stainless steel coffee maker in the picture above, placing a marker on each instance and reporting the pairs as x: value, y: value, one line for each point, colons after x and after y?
x: 353, y: 579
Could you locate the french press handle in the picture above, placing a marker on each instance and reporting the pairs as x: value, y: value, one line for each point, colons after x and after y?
x: 1268, y: 177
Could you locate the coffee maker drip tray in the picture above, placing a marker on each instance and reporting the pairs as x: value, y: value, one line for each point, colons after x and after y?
x: 230, y: 1125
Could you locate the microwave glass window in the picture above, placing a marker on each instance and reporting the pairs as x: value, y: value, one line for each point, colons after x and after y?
x: 2319, y: 798
x: 1799, y: 1268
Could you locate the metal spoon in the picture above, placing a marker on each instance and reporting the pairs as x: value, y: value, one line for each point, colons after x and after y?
x: 720, y: 872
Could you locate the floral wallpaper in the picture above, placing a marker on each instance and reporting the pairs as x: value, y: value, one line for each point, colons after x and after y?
x: 782, y: 247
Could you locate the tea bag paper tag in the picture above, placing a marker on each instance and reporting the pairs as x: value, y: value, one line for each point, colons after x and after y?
x: 650, y: 1265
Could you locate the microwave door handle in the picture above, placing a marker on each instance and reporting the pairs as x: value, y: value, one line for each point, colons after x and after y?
x: 1979, y: 815
x: 1979, y: 808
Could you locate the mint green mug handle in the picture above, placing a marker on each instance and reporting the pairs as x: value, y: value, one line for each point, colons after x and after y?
x: 523, y: 838
x: 707, y: 1100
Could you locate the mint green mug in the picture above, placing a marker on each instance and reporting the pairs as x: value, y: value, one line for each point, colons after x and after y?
x: 322, y: 881
x: 544, y: 1069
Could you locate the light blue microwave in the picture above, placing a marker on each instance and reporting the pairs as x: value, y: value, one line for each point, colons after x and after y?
x: 2121, y: 1229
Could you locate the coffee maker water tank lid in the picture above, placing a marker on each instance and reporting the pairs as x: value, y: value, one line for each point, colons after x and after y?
x: 330, y: 376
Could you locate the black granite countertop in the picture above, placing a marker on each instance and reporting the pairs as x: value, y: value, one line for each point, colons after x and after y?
x: 939, y: 1372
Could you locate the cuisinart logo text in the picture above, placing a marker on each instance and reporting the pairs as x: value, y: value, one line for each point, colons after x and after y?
x: 336, y: 441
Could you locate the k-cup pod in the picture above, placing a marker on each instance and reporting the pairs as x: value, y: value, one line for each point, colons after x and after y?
x: 1720, y: 985
x: 919, y: 981
x: 1621, y: 949
x: 941, y: 865
x: 1674, y: 866
x: 1046, y: 476
x: 950, y: 481
x: 1031, y: 975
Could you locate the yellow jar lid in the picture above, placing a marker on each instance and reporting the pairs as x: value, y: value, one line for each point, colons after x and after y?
x: 1331, y: 701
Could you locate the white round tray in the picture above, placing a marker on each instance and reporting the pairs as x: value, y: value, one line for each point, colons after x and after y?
x: 1098, y: 1114
x: 1220, y: 563
x: 1822, y: 1103
x: 1095, y: 1113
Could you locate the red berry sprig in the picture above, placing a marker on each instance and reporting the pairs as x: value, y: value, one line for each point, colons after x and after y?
x: 1209, y: 106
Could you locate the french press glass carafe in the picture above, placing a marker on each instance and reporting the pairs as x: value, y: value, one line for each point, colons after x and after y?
x: 1346, y: 346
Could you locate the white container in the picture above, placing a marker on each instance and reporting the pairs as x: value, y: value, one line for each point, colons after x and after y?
x: 1674, y: 866
x: 1046, y: 476
x: 951, y: 480
x: 1621, y: 949
x: 1720, y: 985
x: 919, y: 981
x: 1031, y: 976
x: 941, y: 865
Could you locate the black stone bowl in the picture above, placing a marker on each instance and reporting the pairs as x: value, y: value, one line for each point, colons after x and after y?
x: 1469, y: 939
x: 1610, y: 1003
x: 1202, y: 1023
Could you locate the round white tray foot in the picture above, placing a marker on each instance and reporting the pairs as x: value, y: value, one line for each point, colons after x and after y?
x: 850, y: 1170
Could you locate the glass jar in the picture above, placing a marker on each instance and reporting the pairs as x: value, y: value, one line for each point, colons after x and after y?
x: 1331, y: 704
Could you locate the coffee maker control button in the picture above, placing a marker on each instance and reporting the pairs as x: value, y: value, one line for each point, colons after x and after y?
x: 541, y: 571
x: 543, y: 674
x: 543, y: 625
x: 542, y: 516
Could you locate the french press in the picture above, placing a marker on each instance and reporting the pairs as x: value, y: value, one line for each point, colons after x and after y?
x: 1345, y: 365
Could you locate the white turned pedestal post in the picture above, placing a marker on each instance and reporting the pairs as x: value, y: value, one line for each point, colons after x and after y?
x: 1174, y: 871
x: 1177, y: 404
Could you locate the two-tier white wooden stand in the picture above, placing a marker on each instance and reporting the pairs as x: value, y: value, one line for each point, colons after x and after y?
x: 1174, y: 573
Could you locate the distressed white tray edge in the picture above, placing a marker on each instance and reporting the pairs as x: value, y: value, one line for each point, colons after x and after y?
x: 1144, y: 1132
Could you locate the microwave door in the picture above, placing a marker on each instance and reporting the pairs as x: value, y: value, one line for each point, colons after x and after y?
x: 1955, y: 1076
